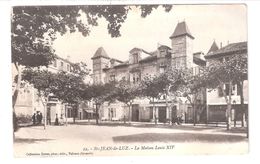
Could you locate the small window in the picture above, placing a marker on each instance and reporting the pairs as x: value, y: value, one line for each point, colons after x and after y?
x: 61, y: 64
x: 68, y: 67
x: 226, y: 59
x: 162, y: 69
x: 55, y: 63
x: 135, y: 56
x: 112, y: 77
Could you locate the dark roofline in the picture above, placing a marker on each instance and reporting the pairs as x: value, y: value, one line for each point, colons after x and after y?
x: 164, y: 46
x: 192, y: 37
x: 100, y: 57
x: 121, y: 65
x: 200, y: 52
x: 117, y: 60
x: 199, y: 60
x: 222, y: 52
x: 66, y: 60
x: 148, y: 59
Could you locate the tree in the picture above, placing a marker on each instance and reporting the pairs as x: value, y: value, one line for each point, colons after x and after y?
x: 126, y: 92
x: 193, y: 88
x: 174, y: 78
x: 224, y: 74
x: 42, y: 80
x: 152, y: 87
x: 34, y: 28
x: 69, y: 90
x: 165, y: 83
x: 98, y: 93
x: 239, y: 62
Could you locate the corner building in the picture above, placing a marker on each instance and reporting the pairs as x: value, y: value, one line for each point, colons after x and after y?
x: 142, y: 63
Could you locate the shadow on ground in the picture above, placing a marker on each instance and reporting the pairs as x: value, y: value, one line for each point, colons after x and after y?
x: 143, y: 125
x: 30, y: 140
x: 179, y: 138
x: 233, y: 130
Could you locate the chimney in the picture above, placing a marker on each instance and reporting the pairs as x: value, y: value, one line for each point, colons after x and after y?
x: 220, y: 44
x: 228, y: 42
x: 68, y: 57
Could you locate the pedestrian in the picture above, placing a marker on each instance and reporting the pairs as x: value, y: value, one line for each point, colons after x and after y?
x: 56, y: 120
x: 34, y: 118
x: 40, y: 117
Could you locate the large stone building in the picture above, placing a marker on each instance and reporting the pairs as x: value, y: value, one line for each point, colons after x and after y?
x: 216, y: 104
x: 141, y: 63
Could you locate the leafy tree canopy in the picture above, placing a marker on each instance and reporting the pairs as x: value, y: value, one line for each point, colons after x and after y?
x: 233, y: 70
x: 35, y: 27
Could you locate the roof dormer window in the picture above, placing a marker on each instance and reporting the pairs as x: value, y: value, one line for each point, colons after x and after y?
x: 135, y: 57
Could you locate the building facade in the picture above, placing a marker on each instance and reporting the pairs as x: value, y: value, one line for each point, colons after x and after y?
x: 29, y: 102
x: 141, y: 63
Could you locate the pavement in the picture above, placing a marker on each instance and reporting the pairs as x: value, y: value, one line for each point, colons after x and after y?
x: 115, y: 139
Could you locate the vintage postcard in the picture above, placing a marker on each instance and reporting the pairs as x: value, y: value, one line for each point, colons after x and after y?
x: 123, y: 80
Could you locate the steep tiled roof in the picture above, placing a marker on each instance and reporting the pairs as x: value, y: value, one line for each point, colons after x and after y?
x: 100, y: 53
x: 214, y: 47
x: 164, y: 47
x: 148, y: 59
x: 230, y: 48
x: 121, y: 65
x: 180, y: 30
x: 119, y: 61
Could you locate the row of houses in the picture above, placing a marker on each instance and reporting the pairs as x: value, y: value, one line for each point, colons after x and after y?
x: 141, y: 63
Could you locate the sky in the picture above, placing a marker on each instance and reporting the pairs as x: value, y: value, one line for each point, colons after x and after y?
x: 222, y: 23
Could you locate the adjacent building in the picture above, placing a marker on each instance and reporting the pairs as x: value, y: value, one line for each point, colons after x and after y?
x: 28, y: 101
x: 216, y: 104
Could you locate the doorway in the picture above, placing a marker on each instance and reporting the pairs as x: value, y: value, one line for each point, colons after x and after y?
x: 162, y: 114
x: 135, y: 112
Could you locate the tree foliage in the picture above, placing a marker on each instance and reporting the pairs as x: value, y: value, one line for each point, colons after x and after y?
x: 42, y: 80
x: 230, y: 72
x: 126, y: 92
x: 35, y: 27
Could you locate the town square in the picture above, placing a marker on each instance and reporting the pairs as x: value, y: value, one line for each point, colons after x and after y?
x: 103, y: 80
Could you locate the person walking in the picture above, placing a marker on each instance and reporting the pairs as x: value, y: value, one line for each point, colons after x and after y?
x: 40, y: 117
x: 34, y: 118
x: 56, y: 120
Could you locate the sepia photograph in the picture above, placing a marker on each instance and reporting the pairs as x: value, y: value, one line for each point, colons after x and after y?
x: 129, y: 80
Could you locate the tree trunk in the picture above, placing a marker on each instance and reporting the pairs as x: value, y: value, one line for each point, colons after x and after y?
x: 130, y: 106
x: 155, y: 115
x: 244, y: 110
x: 228, y: 101
x: 97, y: 114
x: 75, y: 113
x: 229, y: 107
x: 15, y: 96
x: 44, y: 109
x: 18, y: 85
x: 194, y: 114
x: 240, y: 87
x: 193, y: 105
